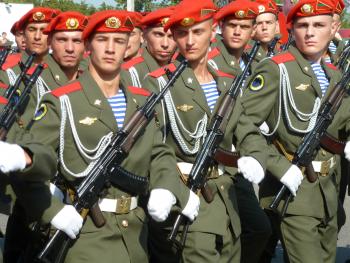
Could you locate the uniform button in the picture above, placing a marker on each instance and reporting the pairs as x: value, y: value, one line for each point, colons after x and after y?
x: 306, y: 68
x: 323, y: 152
x: 125, y: 223
x: 222, y: 188
x: 57, y: 77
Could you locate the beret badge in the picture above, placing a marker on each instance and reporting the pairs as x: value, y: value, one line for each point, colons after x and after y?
x: 113, y: 22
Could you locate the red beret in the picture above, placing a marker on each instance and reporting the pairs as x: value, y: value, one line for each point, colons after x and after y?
x: 158, y: 17
x: 306, y: 8
x: 109, y: 21
x: 136, y: 18
x: 339, y: 6
x: 14, y: 28
x: 67, y: 21
x: 240, y: 9
x: 267, y: 6
x: 189, y: 12
x: 37, y: 15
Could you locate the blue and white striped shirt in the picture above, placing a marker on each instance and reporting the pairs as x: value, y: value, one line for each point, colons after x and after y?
x: 118, y: 105
x: 321, y: 77
x: 332, y: 47
x: 211, y: 93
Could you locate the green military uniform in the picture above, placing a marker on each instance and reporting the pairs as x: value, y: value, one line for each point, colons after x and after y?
x: 214, y: 235
x: 309, y: 229
x: 124, y: 236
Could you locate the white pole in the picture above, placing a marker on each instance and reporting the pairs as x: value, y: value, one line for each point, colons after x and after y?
x: 130, y: 5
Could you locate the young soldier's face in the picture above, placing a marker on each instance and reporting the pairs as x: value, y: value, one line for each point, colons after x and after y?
x: 266, y: 27
x: 20, y: 40
x: 193, y: 41
x: 236, y: 32
x: 312, y: 35
x: 160, y: 44
x: 107, y: 51
x: 134, y: 43
x: 67, y: 48
x: 36, y: 41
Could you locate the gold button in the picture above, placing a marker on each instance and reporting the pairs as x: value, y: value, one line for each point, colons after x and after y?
x: 259, y: 54
x: 125, y: 223
x: 57, y: 77
x: 306, y: 68
x: 222, y: 188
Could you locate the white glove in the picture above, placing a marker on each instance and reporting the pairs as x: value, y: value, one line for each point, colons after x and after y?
x: 159, y: 204
x: 292, y: 179
x: 55, y: 191
x: 12, y: 157
x: 192, y: 207
x: 251, y: 169
x: 68, y: 220
x: 347, y: 151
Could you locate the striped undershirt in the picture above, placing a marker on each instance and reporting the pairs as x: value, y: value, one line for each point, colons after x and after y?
x: 241, y: 64
x: 332, y: 47
x: 211, y: 93
x: 118, y: 105
x: 321, y: 77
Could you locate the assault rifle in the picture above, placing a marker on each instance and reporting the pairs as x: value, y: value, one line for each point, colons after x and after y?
x: 272, y: 45
x: 16, y: 102
x: 3, y: 56
x: 88, y: 192
x: 344, y: 60
x: 205, y: 157
x: 312, y: 141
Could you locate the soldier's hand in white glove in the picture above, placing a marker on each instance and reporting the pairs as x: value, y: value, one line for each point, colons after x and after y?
x: 292, y: 179
x: 12, y: 157
x: 68, y: 220
x: 251, y: 169
x: 347, y: 151
x: 192, y: 207
x: 159, y: 204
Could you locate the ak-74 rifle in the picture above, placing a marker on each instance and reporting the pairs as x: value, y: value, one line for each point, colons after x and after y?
x: 3, y: 56
x: 344, y: 60
x: 17, y: 99
x: 205, y: 157
x: 313, y: 140
x: 272, y: 45
x: 108, y: 165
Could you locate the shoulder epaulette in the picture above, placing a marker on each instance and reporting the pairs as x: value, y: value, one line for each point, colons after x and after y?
x: 161, y: 71
x: 12, y: 60
x: 176, y: 54
x: 3, y: 100
x: 282, y: 58
x: 32, y: 69
x: 248, y: 46
x: 331, y: 66
x: 224, y: 74
x: 139, y: 91
x: 3, y: 85
x: 132, y: 62
x: 213, y: 40
x: 72, y: 87
x: 213, y: 53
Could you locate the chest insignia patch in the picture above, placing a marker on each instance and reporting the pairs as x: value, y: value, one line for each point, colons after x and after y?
x: 257, y: 83
x: 302, y: 87
x: 41, y: 112
x: 88, y: 121
x: 184, y: 107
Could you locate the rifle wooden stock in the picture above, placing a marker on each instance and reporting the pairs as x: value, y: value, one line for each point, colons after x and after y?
x: 226, y: 158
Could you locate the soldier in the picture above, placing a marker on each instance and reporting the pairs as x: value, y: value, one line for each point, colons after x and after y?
x: 65, y: 38
x: 19, y: 37
x: 99, y: 102
x: 237, y: 21
x: 136, y: 38
x: 159, y: 47
x: 308, y: 231
x: 215, y: 235
x: 266, y: 26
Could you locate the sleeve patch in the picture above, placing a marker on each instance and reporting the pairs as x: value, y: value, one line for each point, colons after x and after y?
x: 41, y: 112
x: 257, y: 83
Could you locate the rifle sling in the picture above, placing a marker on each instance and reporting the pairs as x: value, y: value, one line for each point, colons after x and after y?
x: 331, y: 144
x: 226, y: 158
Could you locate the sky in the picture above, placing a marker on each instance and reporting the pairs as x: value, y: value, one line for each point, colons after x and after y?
x: 97, y: 2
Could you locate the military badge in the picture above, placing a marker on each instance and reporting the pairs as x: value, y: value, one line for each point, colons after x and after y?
x: 184, y: 107
x: 164, y: 21
x: 187, y: 21
x: 38, y: 16
x: 240, y: 14
x: 257, y: 83
x: 72, y: 23
x: 113, y: 22
x: 97, y: 102
x: 88, y: 121
x: 261, y: 8
x: 41, y: 112
x: 306, y: 9
x: 302, y: 87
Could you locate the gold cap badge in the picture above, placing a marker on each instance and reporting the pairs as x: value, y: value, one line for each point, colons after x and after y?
x: 38, y: 16
x: 113, y: 22
x: 72, y: 23
x: 187, y: 21
x: 306, y: 9
x: 164, y: 21
x: 261, y: 8
x: 240, y: 14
